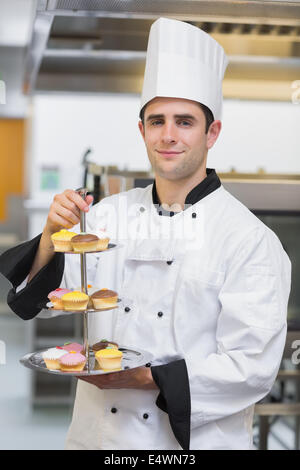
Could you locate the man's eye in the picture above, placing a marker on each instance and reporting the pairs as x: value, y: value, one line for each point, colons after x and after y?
x: 157, y: 122
x: 184, y: 123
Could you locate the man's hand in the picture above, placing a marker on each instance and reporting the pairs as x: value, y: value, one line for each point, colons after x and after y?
x: 64, y: 213
x: 65, y: 210
x: 139, y: 378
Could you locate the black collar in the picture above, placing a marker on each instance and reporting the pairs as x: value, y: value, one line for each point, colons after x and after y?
x: 207, y: 186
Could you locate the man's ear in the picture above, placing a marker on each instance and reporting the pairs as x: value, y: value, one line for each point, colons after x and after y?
x: 142, y: 130
x: 213, y: 133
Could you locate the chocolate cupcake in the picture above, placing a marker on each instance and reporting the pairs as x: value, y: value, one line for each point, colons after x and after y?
x: 84, y: 242
x: 104, y: 298
x: 103, y: 344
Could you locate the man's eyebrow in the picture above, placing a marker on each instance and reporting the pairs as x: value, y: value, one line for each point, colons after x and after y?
x: 185, y: 116
x: 177, y: 116
x: 154, y: 116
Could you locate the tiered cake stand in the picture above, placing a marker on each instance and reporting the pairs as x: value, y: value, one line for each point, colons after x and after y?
x: 132, y: 358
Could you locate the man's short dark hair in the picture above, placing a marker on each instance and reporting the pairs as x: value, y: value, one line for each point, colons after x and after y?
x: 209, y: 117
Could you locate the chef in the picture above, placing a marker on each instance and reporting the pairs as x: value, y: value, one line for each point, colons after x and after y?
x: 204, y: 283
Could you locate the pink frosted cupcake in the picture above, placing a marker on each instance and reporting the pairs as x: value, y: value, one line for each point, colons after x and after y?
x: 72, y: 362
x: 55, y: 297
x: 73, y: 347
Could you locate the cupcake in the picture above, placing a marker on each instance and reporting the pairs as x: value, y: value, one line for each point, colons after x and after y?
x: 104, y: 344
x: 85, y: 242
x: 62, y: 240
x: 75, y: 301
x: 72, y: 362
x: 55, y: 297
x: 104, y: 298
x: 90, y: 291
x: 52, y: 356
x: 73, y: 347
x: 103, y: 240
x: 109, y: 359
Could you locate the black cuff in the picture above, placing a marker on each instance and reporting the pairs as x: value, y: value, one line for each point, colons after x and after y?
x: 174, y: 398
x: 15, y: 265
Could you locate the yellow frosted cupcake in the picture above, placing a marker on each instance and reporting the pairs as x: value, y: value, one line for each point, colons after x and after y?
x: 109, y: 359
x: 62, y: 240
x: 75, y: 301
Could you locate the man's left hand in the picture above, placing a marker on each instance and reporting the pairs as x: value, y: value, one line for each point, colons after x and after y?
x: 139, y: 378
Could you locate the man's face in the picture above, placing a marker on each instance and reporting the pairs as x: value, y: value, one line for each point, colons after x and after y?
x: 174, y: 135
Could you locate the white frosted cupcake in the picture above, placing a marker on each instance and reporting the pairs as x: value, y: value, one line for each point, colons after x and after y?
x: 52, y: 356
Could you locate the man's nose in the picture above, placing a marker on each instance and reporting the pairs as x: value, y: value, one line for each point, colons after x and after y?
x: 169, y: 133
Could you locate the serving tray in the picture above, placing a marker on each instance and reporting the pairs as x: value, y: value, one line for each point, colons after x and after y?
x: 49, y: 312
x: 109, y: 247
x: 131, y: 359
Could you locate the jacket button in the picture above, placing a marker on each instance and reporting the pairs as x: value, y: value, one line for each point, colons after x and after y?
x: 148, y: 364
x: 171, y: 214
x: 160, y: 213
x: 127, y: 309
x: 169, y: 262
x: 145, y: 416
x: 114, y: 410
x: 194, y: 215
x: 160, y: 314
x: 142, y: 209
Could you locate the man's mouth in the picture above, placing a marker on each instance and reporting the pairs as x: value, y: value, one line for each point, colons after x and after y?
x: 168, y: 153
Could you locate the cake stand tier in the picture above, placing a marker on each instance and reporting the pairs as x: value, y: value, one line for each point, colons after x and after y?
x: 132, y: 358
x: 49, y: 312
x: 110, y: 246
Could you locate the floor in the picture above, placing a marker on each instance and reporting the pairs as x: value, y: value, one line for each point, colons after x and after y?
x: 46, y: 428
x: 38, y: 429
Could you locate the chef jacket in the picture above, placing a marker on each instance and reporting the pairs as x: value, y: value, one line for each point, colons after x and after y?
x: 205, y: 291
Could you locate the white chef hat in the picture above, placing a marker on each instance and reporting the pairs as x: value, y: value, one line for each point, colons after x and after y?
x: 184, y: 62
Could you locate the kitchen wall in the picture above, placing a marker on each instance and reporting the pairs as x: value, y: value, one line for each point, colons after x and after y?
x: 64, y: 126
x: 11, y: 162
x: 255, y: 135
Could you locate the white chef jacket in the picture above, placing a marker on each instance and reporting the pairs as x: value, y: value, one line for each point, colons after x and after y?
x: 222, y: 307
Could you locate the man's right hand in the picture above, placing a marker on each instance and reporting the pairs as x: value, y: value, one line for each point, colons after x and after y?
x: 65, y: 211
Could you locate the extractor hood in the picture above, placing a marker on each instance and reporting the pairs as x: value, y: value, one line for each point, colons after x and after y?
x: 100, y: 45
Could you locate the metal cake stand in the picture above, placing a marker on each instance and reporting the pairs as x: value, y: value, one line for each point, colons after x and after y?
x: 47, y: 310
x: 131, y: 358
